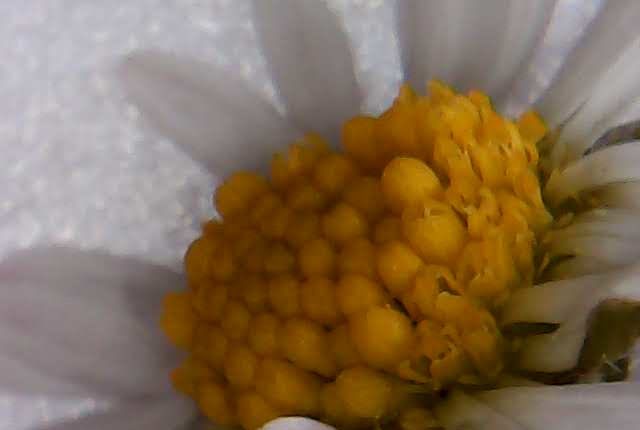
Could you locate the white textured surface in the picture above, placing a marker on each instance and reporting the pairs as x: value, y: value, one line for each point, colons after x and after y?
x: 78, y: 167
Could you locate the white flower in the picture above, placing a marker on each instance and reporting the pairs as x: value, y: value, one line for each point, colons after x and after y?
x: 83, y: 325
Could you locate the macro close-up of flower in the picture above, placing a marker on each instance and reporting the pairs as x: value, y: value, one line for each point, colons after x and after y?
x: 322, y: 215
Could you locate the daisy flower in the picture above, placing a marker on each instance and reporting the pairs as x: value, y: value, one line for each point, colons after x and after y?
x: 436, y: 221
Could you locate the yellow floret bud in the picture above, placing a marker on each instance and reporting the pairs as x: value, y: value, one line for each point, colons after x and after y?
x: 342, y: 347
x: 396, y: 128
x: 198, y: 260
x: 284, y: 295
x: 318, y: 300
x: 279, y: 259
x: 178, y: 320
x: 333, y: 172
x: 238, y: 192
x: 431, y: 342
x: 333, y: 409
x: 264, y: 206
x: 365, y: 194
x: 236, y: 289
x: 254, y: 260
x: 240, y: 365
x: 531, y: 127
x: 383, y: 336
x: 223, y: 265
x: 356, y: 293
x: 255, y: 410
x: 448, y: 367
x: 190, y: 374
x: 234, y: 227
x: 397, y: 266
x: 458, y: 310
x: 484, y: 347
x: 407, y: 182
x: 359, y: 141
x: 300, y: 158
x: 440, y: 344
x: 305, y: 343
x: 316, y: 258
x: 255, y: 293
x: 439, y: 92
x: 526, y: 186
x: 480, y: 100
x: 275, y: 224
x: 462, y: 118
x: 420, y: 300
x: 435, y: 231
x: 211, y: 345
x: 489, y: 269
x: 359, y: 257
x: 306, y: 197
x: 288, y: 387
x: 210, y: 300
x: 304, y: 226
x: 463, y: 191
x: 490, y: 164
x: 367, y: 393
x: 242, y: 244
x: 388, y: 229
x: 415, y: 370
x: 264, y: 333
x: 216, y: 403
x: 482, y: 219
x: 235, y: 320
x: 213, y: 229
x: 343, y: 223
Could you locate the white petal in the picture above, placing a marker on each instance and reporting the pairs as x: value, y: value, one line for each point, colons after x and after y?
x: 462, y: 412
x: 620, y: 163
x: 611, y: 250
x: 578, y: 266
x: 559, y: 351
x: 619, y: 127
x: 310, y: 60
x: 572, y: 407
x: 555, y: 352
x: 603, y: 222
x: 613, y: 30
x: 567, y: 25
x: 606, y: 237
x: 296, y: 423
x: 170, y: 413
x: 213, y: 115
x: 619, y: 195
x: 18, y: 377
x: 617, y: 89
x: 601, y: 219
x: 88, y: 320
x: 470, y: 44
x: 550, y: 302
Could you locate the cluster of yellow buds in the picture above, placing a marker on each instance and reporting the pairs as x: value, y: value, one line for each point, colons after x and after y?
x: 349, y: 281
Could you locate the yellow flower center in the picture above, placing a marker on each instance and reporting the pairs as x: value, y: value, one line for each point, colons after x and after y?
x: 349, y: 281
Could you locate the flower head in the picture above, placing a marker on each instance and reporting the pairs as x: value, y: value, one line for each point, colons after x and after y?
x: 477, y: 213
